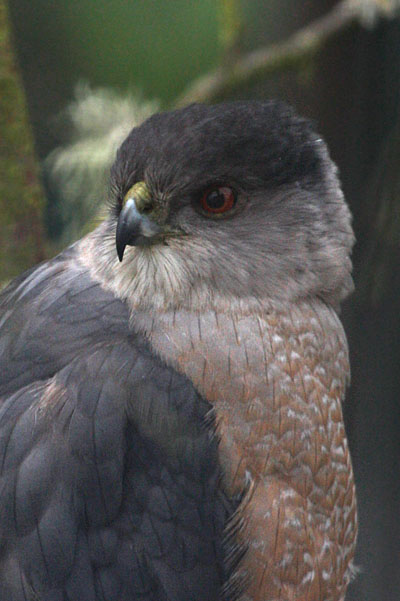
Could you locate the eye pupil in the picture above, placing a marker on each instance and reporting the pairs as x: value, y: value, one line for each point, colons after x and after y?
x: 215, y: 200
x: 218, y: 199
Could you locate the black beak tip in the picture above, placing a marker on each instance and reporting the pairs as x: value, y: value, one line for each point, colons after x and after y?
x: 120, y: 251
x: 128, y: 227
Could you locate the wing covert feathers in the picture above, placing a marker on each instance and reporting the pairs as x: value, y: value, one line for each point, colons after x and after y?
x: 110, y: 484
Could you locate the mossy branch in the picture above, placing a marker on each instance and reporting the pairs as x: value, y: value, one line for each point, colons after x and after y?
x: 21, y: 195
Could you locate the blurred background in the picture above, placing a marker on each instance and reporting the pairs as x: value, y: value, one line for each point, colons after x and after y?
x: 128, y: 59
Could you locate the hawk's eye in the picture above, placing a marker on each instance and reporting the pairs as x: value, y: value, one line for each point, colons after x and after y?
x: 218, y: 199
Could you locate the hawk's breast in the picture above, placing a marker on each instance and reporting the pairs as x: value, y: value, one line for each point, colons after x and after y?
x: 276, y: 377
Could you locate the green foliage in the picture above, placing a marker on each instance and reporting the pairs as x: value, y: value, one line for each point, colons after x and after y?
x: 156, y: 47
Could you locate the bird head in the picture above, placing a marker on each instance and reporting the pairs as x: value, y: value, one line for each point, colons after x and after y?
x: 238, y: 200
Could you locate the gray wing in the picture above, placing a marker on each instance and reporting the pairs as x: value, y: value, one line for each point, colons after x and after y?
x: 51, y: 314
x: 110, y: 486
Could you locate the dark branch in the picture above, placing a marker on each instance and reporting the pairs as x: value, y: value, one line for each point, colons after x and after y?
x: 286, y: 55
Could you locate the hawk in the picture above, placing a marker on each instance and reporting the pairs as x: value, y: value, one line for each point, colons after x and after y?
x: 171, y: 384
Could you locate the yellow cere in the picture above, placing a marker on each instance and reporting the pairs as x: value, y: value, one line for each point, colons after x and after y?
x: 140, y: 192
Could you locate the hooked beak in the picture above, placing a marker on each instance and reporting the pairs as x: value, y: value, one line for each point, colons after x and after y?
x: 134, y: 228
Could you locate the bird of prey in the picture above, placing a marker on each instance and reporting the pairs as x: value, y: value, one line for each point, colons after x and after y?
x: 171, y: 385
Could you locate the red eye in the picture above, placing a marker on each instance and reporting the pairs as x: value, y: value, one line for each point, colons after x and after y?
x: 218, y: 199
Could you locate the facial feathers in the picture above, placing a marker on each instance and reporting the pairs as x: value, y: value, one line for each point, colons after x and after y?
x: 288, y: 237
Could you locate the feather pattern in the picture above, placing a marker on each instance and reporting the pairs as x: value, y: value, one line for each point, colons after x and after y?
x: 276, y: 376
x: 110, y: 484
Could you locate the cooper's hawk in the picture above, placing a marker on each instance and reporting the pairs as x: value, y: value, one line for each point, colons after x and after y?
x: 171, y: 425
